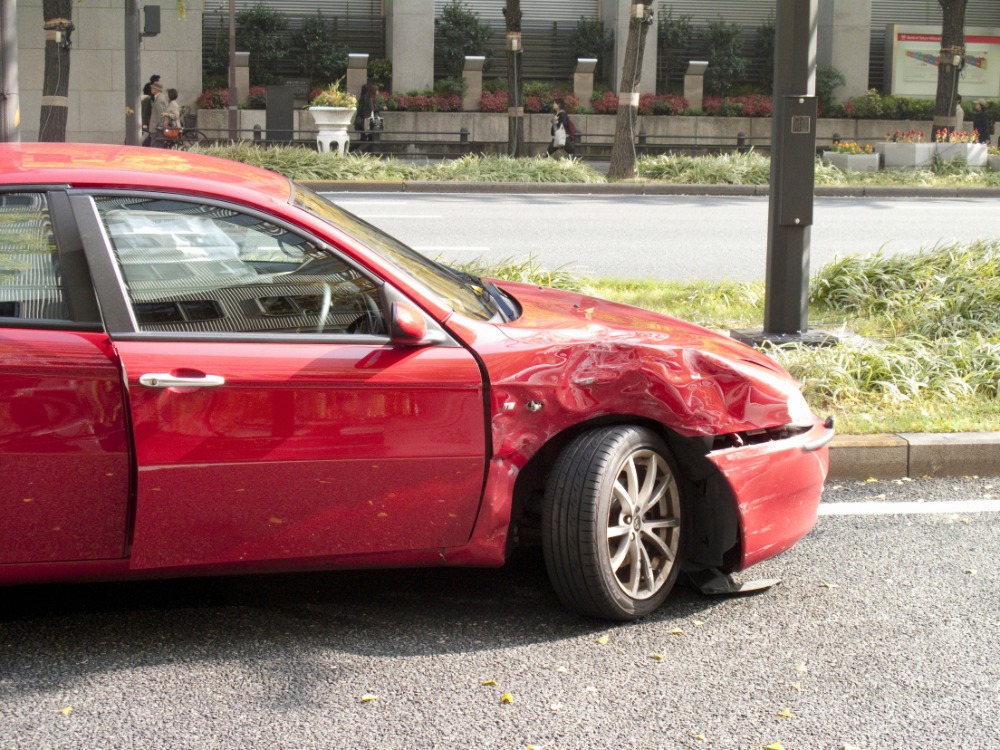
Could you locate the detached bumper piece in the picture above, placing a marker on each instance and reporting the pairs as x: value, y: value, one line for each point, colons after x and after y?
x: 713, y: 582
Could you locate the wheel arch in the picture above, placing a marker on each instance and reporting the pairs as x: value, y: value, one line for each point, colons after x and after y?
x: 713, y: 538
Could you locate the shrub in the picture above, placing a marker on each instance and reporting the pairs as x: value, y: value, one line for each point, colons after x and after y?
x: 493, y: 101
x: 589, y: 38
x: 764, y: 43
x: 665, y: 104
x: 605, y: 103
x: 380, y: 71
x: 213, y: 99
x: 459, y: 33
x: 332, y: 96
x: 424, y: 101
x: 828, y: 78
x: 256, y: 99
x: 260, y: 31
x: 723, y: 50
x: 749, y: 105
x: 319, y: 60
x: 672, y: 37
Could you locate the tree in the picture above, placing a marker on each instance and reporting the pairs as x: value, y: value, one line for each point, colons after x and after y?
x: 58, y: 23
x: 952, y: 49
x: 515, y: 112
x: 459, y: 33
x: 673, y: 36
x: 623, y: 150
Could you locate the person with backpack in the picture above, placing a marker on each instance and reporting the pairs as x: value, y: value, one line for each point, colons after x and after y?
x: 562, y: 129
x: 982, y: 123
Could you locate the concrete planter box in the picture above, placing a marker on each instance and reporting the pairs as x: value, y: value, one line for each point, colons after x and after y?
x: 907, y: 155
x: 993, y: 162
x: 973, y: 154
x: 851, y: 162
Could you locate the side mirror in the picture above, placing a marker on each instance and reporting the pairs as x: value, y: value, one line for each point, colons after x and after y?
x: 410, y: 327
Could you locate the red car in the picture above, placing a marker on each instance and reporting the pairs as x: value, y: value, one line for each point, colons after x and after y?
x: 205, y: 368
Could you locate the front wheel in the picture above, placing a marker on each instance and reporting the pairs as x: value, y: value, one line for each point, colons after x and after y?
x: 611, y: 525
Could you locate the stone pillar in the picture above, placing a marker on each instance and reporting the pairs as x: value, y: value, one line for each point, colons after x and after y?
x: 615, y: 14
x: 357, y: 72
x: 409, y: 43
x: 472, y: 74
x: 844, y: 28
x: 694, y: 83
x: 242, y: 76
x: 583, y: 80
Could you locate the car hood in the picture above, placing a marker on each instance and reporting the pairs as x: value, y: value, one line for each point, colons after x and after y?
x: 708, y: 382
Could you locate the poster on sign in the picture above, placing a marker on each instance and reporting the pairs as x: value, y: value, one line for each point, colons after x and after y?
x: 912, y: 61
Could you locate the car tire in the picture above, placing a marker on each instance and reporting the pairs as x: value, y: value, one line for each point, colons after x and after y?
x: 605, y: 559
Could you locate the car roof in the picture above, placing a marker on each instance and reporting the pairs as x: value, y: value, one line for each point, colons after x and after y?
x: 99, y: 165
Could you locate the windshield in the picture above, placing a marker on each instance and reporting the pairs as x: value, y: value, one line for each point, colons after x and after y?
x: 462, y: 293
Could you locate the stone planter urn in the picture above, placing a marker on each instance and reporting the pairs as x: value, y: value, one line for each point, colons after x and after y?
x: 907, y: 155
x: 332, y: 123
x: 974, y: 154
x: 851, y: 162
x: 993, y: 161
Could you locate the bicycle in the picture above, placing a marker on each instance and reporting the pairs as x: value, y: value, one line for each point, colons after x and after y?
x: 178, y: 137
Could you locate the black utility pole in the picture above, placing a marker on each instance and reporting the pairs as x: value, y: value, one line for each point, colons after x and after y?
x: 133, y: 90
x: 793, y: 164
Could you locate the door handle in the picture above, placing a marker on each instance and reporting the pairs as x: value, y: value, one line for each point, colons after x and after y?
x: 166, y: 380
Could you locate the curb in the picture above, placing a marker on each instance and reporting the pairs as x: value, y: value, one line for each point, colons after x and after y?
x: 914, y: 454
x: 638, y: 188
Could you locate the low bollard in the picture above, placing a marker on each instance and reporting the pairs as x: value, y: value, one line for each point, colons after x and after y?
x: 741, y: 143
x: 257, y: 134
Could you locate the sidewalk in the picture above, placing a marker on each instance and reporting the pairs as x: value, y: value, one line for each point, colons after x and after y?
x: 851, y: 456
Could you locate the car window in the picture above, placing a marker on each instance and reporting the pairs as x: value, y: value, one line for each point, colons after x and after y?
x: 463, y: 294
x: 193, y: 267
x: 31, y: 284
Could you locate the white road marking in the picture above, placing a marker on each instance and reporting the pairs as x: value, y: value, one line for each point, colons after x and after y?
x: 401, y: 216
x: 450, y: 249
x: 894, y: 509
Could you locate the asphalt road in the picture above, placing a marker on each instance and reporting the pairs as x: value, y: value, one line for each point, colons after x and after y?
x: 661, y: 237
x: 882, y: 634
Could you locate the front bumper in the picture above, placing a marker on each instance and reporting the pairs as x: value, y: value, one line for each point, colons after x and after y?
x: 776, y: 487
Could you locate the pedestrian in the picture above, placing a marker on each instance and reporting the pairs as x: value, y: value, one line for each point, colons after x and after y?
x: 147, y: 100
x: 171, y: 117
x: 561, y: 129
x: 366, y: 117
x: 982, y: 123
x: 959, y: 115
x: 160, y: 103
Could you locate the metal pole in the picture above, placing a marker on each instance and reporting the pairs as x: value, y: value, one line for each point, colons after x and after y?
x: 793, y: 156
x: 133, y: 91
x: 10, y: 100
x: 233, y: 125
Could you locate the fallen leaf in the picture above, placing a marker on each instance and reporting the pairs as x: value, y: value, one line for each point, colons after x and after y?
x: 676, y: 631
x: 65, y: 711
x: 489, y: 682
x: 826, y: 585
x: 507, y: 698
x: 699, y: 737
x: 555, y: 707
x: 590, y: 689
x: 773, y: 746
x: 698, y: 623
x: 562, y: 670
x: 796, y: 686
x: 369, y: 697
x: 786, y: 713
x: 801, y: 667
x: 871, y: 480
x: 970, y: 571
x: 602, y: 640
x: 656, y: 656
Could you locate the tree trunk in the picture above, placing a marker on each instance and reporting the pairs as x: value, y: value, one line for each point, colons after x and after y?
x: 952, y: 46
x: 623, y: 150
x: 515, y: 108
x: 55, y: 85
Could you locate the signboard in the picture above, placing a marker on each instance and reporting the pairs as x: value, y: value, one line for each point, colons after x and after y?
x: 912, y: 61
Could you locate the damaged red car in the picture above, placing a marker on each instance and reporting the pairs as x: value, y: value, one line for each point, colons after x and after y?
x: 206, y: 368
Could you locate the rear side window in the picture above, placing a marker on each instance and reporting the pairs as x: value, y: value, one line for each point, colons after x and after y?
x: 31, y: 284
